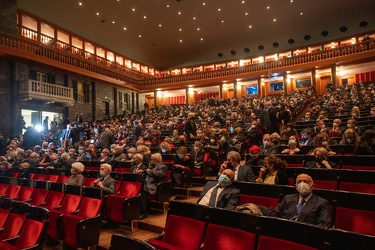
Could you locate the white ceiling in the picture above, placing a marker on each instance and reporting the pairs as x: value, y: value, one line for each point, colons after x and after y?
x: 203, y: 28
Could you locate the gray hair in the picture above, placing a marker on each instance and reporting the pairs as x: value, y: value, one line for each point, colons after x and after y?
x: 107, y: 166
x: 78, y: 166
x: 157, y: 157
x: 235, y: 156
x: 139, y: 156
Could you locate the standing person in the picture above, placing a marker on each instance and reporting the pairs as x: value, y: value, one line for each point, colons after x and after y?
x: 21, y: 125
x: 137, y: 131
x: 284, y: 117
x: 105, y: 139
x: 265, y: 121
x: 45, y: 124
x: 274, y: 121
x: 190, y: 127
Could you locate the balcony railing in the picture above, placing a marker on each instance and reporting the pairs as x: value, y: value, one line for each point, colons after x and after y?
x: 32, y: 89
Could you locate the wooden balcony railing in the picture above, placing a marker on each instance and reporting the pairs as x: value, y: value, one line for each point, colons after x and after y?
x: 315, y: 57
x: 32, y: 89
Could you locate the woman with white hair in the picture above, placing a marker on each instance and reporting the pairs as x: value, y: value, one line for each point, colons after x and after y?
x: 76, y: 179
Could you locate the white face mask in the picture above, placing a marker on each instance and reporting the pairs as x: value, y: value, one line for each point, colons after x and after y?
x: 303, y: 188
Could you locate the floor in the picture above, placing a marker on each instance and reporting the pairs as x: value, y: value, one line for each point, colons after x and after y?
x: 144, y: 229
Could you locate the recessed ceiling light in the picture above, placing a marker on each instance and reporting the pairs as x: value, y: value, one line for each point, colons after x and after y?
x: 179, y: 29
x: 274, y: 19
x: 113, y: 22
x: 159, y: 25
x: 97, y: 13
x: 139, y: 35
x: 133, y: 9
x: 250, y: 26
x: 144, y: 17
x: 204, y: 3
x: 243, y: 1
x: 201, y: 39
x: 218, y: 9
x: 268, y: 7
x: 179, y: 13
x: 291, y: 1
x: 198, y: 28
x: 80, y: 3
x: 301, y: 13
x: 222, y: 21
x: 167, y: 5
x: 180, y: 41
x: 124, y: 28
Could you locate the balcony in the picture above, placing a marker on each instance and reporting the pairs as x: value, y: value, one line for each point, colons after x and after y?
x: 50, y: 93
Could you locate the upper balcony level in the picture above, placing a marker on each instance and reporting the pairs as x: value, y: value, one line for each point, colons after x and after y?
x: 50, y: 93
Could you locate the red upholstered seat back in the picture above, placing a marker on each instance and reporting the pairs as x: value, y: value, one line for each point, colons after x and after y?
x: 3, y: 188
x: 184, y: 232
x: 368, y: 168
x: 52, y: 177
x: 169, y: 175
x: 90, y: 181
x: 206, y: 157
x: 266, y: 243
x: 31, y: 231
x: 53, y: 199
x: 360, y: 221
x: 25, y: 193
x: 39, y: 177
x: 3, y: 216
x: 13, y: 225
x: 122, y: 170
x: 15, y: 174
x: 227, y: 238
x: 70, y: 203
x: 38, y: 196
x: 12, y: 191
x: 62, y: 178
x: 259, y: 200
x: 357, y: 187
x: 90, y: 207
x: 197, y: 172
x: 130, y: 189
x: 118, y: 186
x: 322, y: 184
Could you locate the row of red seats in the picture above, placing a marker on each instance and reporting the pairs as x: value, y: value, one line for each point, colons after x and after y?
x: 350, y: 211
x: 22, y: 226
x: 191, y: 226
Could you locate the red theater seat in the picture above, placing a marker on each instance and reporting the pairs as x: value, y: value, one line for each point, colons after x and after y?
x: 15, y: 220
x: 40, y: 177
x: 52, y: 177
x: 12, y: 192
x: 3, y: 188
x: 180, y: 233
x: 83, y: 229
x: 38, y: 197
x: 25, y: 193
x: 266, y: 243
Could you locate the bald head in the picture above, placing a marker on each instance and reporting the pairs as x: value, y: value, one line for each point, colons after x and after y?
x: 229, y: 173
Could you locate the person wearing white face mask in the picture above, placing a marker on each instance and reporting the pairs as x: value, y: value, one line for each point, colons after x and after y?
x: 268, y: 147
x: 105, y: 181
x: 76, y: 179
x: 305, y: 206
x: 220, y: 194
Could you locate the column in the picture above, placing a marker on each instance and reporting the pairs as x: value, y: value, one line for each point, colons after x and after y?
x: 313, y: 78
x: 187, y: 95
x: 220, y: 91
x: 285, y: 84
x: 260, y: 88
x: 155, y: 98
x: 333, y: 75
x: 235, y: 89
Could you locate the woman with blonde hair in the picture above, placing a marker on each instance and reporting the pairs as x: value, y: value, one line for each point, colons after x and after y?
x: 320, y: 154
x: 146, y: 152
x: 182, y: 163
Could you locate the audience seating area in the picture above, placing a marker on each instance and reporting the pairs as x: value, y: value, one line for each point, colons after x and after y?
x: 214, y: 230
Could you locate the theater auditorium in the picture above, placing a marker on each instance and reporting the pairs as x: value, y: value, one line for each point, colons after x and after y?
x: 180, y: 124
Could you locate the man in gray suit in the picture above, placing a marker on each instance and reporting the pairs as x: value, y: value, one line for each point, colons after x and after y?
x: 305, y: 206
x: 105, y: 139
x: 241, y: 173
x: 154, y: 175
x: 106, y: 182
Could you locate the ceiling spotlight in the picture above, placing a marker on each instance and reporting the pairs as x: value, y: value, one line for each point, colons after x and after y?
x: 363, y: 24
x: 291, y: 41
x: 233, y: 52
x: 261, y: 47
x: 275, y: 44
x: 343, y: 29
x: 307, y: 37
x: 247, y: 50
x: 325, y: 33
x: 220, y: 54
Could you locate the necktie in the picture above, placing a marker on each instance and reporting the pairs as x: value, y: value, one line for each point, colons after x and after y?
x: 212, y: 202
x: 298, y: 210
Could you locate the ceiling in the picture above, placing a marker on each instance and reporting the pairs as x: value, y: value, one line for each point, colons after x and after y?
x: 168, y: 34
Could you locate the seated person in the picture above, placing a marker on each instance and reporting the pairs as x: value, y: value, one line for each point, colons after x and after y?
x: 146, y: 153
x: 352, y: 123
x: 335, y: 131
x: 307, y: 117
x: 130, y: 152
x: 350, y: 137
x: 198, y: 154
x: 66, y: 161
x: 322, y: 140
x: 366, y: 144
x: 24, y: 171
x: 76, y: 179
x: 304, y: 207
x: 233, y: 162
x: 165, y: 148
x: 105, y: 181
x: 273, y: 173
x: 268, y: 147
x: 255, y: 160
x: 288, y: 132
x: 320, y: 127
x: 138, y: 166
x: 306, y: 139
x: 105, y: 156
x: 320, y: 154
x: 275, y: 138
x: 55, y: 163
x: 182, y: 163
x: 220, y: 193
x: 293, y: 146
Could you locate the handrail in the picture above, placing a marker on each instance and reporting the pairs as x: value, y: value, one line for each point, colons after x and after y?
x: 42, y: 88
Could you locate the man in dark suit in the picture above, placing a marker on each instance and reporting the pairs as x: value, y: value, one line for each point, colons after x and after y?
x: 191, y: 127
x: 221, y: 193
x: 106, y: 182
x: 105, y: 139
x: 138, y: 167
x: 137, y: 131
x: 154, y: 175
x: 268, y: 147
x: 241, y: 173
x: 305, y: 206
x: 307, y: 140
